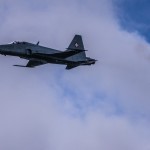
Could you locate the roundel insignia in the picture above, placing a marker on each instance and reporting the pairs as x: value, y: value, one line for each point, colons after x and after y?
x: 76, y: 45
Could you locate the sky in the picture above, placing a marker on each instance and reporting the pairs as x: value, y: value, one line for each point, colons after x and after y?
x: 134, y: 16
x: 103, y: 106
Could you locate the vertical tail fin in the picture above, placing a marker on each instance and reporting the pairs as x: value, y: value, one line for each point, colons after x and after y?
x: 77, y: 44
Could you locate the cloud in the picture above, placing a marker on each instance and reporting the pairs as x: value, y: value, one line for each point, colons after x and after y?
x: 105, y: 106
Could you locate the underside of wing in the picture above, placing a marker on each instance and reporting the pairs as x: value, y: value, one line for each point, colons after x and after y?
x: 34, y: 63
x: 71, y: 66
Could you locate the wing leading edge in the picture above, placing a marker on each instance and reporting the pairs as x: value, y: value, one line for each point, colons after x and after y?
x: 71, y: 66
x: 32, y: 63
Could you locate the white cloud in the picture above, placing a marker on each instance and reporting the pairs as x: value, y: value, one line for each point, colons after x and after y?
x: 105, y: 106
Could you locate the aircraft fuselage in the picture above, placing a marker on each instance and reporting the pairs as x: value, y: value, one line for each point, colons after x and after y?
x: 39, y: 55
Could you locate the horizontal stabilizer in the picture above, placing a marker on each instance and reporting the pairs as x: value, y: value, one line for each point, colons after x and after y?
x: 80, y: 50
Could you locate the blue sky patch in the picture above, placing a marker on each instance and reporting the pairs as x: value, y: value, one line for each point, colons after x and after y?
x: 134, y: 16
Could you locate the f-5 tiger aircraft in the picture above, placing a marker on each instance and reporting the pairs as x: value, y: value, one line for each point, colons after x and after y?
x: 37, y: 55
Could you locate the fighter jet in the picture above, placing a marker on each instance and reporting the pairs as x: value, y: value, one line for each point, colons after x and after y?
x: 37, y: 55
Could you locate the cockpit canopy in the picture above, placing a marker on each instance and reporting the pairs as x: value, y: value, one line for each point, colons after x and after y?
x: 16, y: 42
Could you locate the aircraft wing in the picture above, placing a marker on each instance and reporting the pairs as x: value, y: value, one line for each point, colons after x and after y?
x: 33, y: 63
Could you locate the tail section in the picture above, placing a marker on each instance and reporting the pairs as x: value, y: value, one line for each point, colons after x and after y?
x: 77, y: 45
